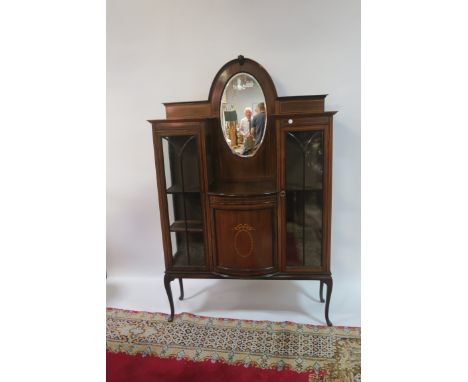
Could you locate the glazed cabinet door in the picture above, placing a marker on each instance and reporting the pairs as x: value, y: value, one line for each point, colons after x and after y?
x: 304, y: 199
x: 182, y: 204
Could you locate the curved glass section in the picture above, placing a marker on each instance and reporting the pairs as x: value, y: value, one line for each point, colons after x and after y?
x: 180, y: 154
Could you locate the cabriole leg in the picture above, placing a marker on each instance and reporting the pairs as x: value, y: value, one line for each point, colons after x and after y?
x: 167, y: 285
x: 181, y: 285
x: 329, y: 283
x: 321, y: 291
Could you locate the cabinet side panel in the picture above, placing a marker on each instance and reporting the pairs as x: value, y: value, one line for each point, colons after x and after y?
x: 328, y: 194
x: 161, y: 184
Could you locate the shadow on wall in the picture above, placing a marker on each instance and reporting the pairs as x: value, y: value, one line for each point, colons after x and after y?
x: 255, y: 295
x: 112, y: 291
x: 134, y: 241
x: 346, y: 211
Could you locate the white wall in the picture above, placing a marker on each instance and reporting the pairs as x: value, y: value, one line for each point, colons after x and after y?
x: 170, y: 50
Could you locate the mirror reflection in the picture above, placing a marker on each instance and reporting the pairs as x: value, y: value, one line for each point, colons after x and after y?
x: 243, y: 114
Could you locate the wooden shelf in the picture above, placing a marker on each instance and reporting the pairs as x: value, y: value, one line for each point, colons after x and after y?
x: 192, y: 226
x: 177, y: 189
x: 295, y: 188
x: 197, y: 257
x: 243, y: 188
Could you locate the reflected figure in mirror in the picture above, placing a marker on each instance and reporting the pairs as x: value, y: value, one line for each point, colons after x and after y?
x: 258, y: 123
x: 245, y: 125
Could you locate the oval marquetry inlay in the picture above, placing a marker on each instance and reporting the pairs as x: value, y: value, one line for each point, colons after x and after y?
x: 243, y: 240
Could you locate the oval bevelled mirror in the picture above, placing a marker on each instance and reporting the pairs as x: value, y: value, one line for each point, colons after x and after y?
x: 243, y: 114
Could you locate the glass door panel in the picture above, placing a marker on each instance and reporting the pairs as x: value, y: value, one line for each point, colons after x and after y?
x: 303, y: 198
x: 184, y: 200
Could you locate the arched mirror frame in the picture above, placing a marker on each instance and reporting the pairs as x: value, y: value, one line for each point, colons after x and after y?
x: 229, y: 70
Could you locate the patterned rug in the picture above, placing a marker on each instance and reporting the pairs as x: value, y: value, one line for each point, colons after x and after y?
x: 145, y: 347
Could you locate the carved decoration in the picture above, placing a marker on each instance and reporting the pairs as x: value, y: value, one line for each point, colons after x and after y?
x: 244, y: 227
x: 243, y: 230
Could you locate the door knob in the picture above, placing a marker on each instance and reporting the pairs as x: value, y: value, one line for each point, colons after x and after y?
x: 283, y: 194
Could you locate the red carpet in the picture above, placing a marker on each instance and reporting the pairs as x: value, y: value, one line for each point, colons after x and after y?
x: 145, y: 347
x: 123, y: 367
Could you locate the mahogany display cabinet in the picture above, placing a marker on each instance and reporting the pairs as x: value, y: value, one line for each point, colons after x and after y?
x: 245, y: 183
